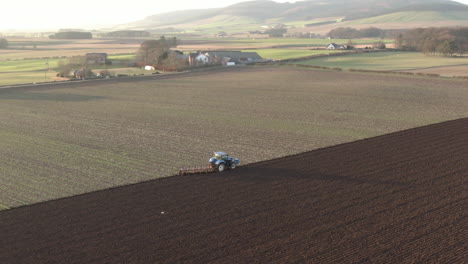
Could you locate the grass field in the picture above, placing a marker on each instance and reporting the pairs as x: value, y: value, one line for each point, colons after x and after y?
x: 22, y: 63
x: 265, y: 43
x: 304, y: 42
x: 391, y: 61
x: 48, y: 48
x: 28, y: 71
x: 412, y: 16
x: 42, y: 70
x: 78, y: 137
x: 311, y: 42
x: 281, y: 54
x: 21, y: 54
x: 27, y: 77
x: 28, y: 65
x: 25, y: 64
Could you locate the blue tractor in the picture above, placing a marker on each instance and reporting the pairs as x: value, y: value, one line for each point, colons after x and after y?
x: 222, y: 161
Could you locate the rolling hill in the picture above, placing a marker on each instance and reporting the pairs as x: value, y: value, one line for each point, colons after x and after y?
x: 252, y: 15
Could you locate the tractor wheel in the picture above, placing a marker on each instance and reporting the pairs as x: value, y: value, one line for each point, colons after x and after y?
x: 233, y: 165
x: 221, y: 167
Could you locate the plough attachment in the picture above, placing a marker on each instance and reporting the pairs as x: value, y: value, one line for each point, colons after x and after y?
x: 220, y: 162
x: 200, y: 170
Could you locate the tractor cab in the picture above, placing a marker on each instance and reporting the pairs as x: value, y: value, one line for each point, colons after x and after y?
x: 221, y: 156
x: 221, y: 161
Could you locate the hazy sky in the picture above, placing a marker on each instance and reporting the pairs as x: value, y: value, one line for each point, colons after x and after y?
x: 54, y: 14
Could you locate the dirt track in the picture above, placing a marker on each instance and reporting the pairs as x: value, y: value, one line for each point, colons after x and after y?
x: 399, y: 198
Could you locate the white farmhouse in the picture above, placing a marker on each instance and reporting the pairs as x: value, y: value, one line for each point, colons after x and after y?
x: 198, y: 58
x: 334, y: 46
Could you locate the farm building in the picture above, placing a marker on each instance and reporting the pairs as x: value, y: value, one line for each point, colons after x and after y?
x: 237, y: 57
x: 334, y: 46
x: 223, y: 57
x: 198, y: 58
x: 96, y: 58
x: 179, y: 54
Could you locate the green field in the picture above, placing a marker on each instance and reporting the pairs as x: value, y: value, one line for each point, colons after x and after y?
x: 28, y: 71
x: 388, y: 61
x: 20, y: 54
x: 27, y: 77
x: 121, y: 57
x: 28, y: 65
x: 45, y: 70
x: 14, y: 69
x: 408, y: 17
x: 302, y: 23
x: 74, y: 138
x: 266, y: 43
x: 282, y: 54
x: 303, y: 42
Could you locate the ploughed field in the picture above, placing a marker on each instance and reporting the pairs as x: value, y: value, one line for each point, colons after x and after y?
x: 67, y: 139
x: 397, y: 198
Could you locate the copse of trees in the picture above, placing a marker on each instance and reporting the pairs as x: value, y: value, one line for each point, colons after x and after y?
x: 158, y: 52
x: 3, y: 43
x: 276, y: 32
x: 379, y: 45
x: 80, y: 63
x: 128, y: 34
x: 72, y: 35
x: 352, y: 33
x: 434, y: 41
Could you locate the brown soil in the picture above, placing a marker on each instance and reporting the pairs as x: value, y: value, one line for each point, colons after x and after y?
x: 449, y: 71
x: 398, y: 198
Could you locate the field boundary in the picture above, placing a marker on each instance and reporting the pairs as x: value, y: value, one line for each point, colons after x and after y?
x: 288, y: 62
x: 245, y: 165
x: 359, y: 140
x: 79, y: 83
x: 214, y: 68
x: 396, y: 72
x: 335, y: 54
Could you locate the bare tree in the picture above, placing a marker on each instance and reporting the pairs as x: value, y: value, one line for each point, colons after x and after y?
x: 399, y: 42
x: 64, y: 69
x: 379, y: 45
x: 436, y: 41
x: 3, y: 43
x: 175, y: 60
x: 155, y: 52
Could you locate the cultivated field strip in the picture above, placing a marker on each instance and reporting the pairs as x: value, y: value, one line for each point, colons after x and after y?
x: 398, y: 198
x: 59, y: 140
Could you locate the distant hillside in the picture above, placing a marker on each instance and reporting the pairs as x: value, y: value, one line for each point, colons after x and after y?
x: 253, y: 14
x: 413, y: 16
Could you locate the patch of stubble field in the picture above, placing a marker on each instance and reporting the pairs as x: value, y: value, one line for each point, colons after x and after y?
x: 65, y: 141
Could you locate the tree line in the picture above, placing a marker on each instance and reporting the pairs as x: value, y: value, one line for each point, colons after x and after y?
x: 72, y: 35
x: 352, y: 33
x: 127, y: 34
x: 3, y: 43
x: 434, y: 41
